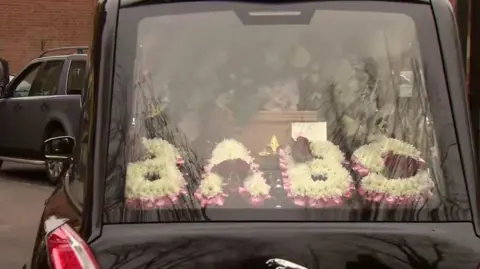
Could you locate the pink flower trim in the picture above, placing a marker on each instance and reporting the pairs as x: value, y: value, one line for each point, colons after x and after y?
x: 218, y: 200
x: 358, y: 167
x: 391, y: 200
x: 153, y: 203
x: 253, y: 200
x: 324, y: 202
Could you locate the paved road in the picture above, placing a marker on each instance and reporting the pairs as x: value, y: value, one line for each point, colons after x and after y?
x: 23, y: 190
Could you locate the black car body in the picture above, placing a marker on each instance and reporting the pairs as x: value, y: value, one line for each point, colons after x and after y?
x: 42, y: 101
x: 94, y: 220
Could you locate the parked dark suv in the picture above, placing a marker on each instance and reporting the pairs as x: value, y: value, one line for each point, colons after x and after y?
x: 41, y: 101
x: 268, y: 135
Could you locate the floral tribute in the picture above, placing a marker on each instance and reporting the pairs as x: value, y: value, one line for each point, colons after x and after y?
x: 314, y: 174
x: 392, y: 171
x: 155, y: 182
x: 231, y: 168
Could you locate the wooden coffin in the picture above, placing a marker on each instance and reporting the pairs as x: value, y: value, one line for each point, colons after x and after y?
x: 258, y: 132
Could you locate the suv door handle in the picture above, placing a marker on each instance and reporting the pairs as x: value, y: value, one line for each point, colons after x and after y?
x: 17, y: 107
x: 44, y: 107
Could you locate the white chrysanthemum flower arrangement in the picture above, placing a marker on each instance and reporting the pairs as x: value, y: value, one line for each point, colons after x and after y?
x: 157, y: 181
x: 231, y: 162
x: 314, y: 174
x: 377, y: 161
x: 229, y: 149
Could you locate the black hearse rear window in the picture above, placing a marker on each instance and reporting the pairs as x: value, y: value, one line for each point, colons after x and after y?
x: 299, y: 112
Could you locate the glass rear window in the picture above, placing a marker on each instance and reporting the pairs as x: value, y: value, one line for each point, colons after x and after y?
x: 306, y: 111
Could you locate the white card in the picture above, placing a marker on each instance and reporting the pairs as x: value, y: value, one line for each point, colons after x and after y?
x: 405, y: 91
x: 313, y: 131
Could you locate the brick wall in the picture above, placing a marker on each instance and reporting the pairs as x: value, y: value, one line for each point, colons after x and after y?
x: 28, y: 26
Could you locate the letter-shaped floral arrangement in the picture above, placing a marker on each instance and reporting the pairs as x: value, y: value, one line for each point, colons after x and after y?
x: 155, y: 182
x: 392, y: 171
x: 231, y: 166
x: 314, y: 174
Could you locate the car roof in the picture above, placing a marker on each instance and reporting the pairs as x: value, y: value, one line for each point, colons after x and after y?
x: 57, y: 57
x: 80, y: 52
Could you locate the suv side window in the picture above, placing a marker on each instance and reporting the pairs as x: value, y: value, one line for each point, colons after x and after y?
x: 48, y: 79
x: 76, y: 77
x: 24, y: 82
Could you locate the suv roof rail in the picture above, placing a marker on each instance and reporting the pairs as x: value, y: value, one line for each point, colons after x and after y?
x: 79, y: 49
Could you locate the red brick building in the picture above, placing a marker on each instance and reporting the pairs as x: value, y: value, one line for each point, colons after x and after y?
x: 27, y: 27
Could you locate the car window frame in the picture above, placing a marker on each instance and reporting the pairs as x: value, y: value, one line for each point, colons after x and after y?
x: 437, y: 88
x: 17, y: 80
x: 43, y: 70
x: 78, y: 170
x: 67, y: 77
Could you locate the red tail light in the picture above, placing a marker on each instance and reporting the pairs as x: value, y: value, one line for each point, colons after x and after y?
x: 67, y: 250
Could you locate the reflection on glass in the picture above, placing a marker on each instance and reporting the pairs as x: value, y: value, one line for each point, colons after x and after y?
x: 327, y: 115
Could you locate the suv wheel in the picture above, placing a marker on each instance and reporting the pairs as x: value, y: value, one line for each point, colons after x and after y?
x: 1, y: 162
x: 53, y: 168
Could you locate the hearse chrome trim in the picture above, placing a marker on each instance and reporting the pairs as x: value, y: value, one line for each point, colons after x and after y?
x: 283, y: 264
